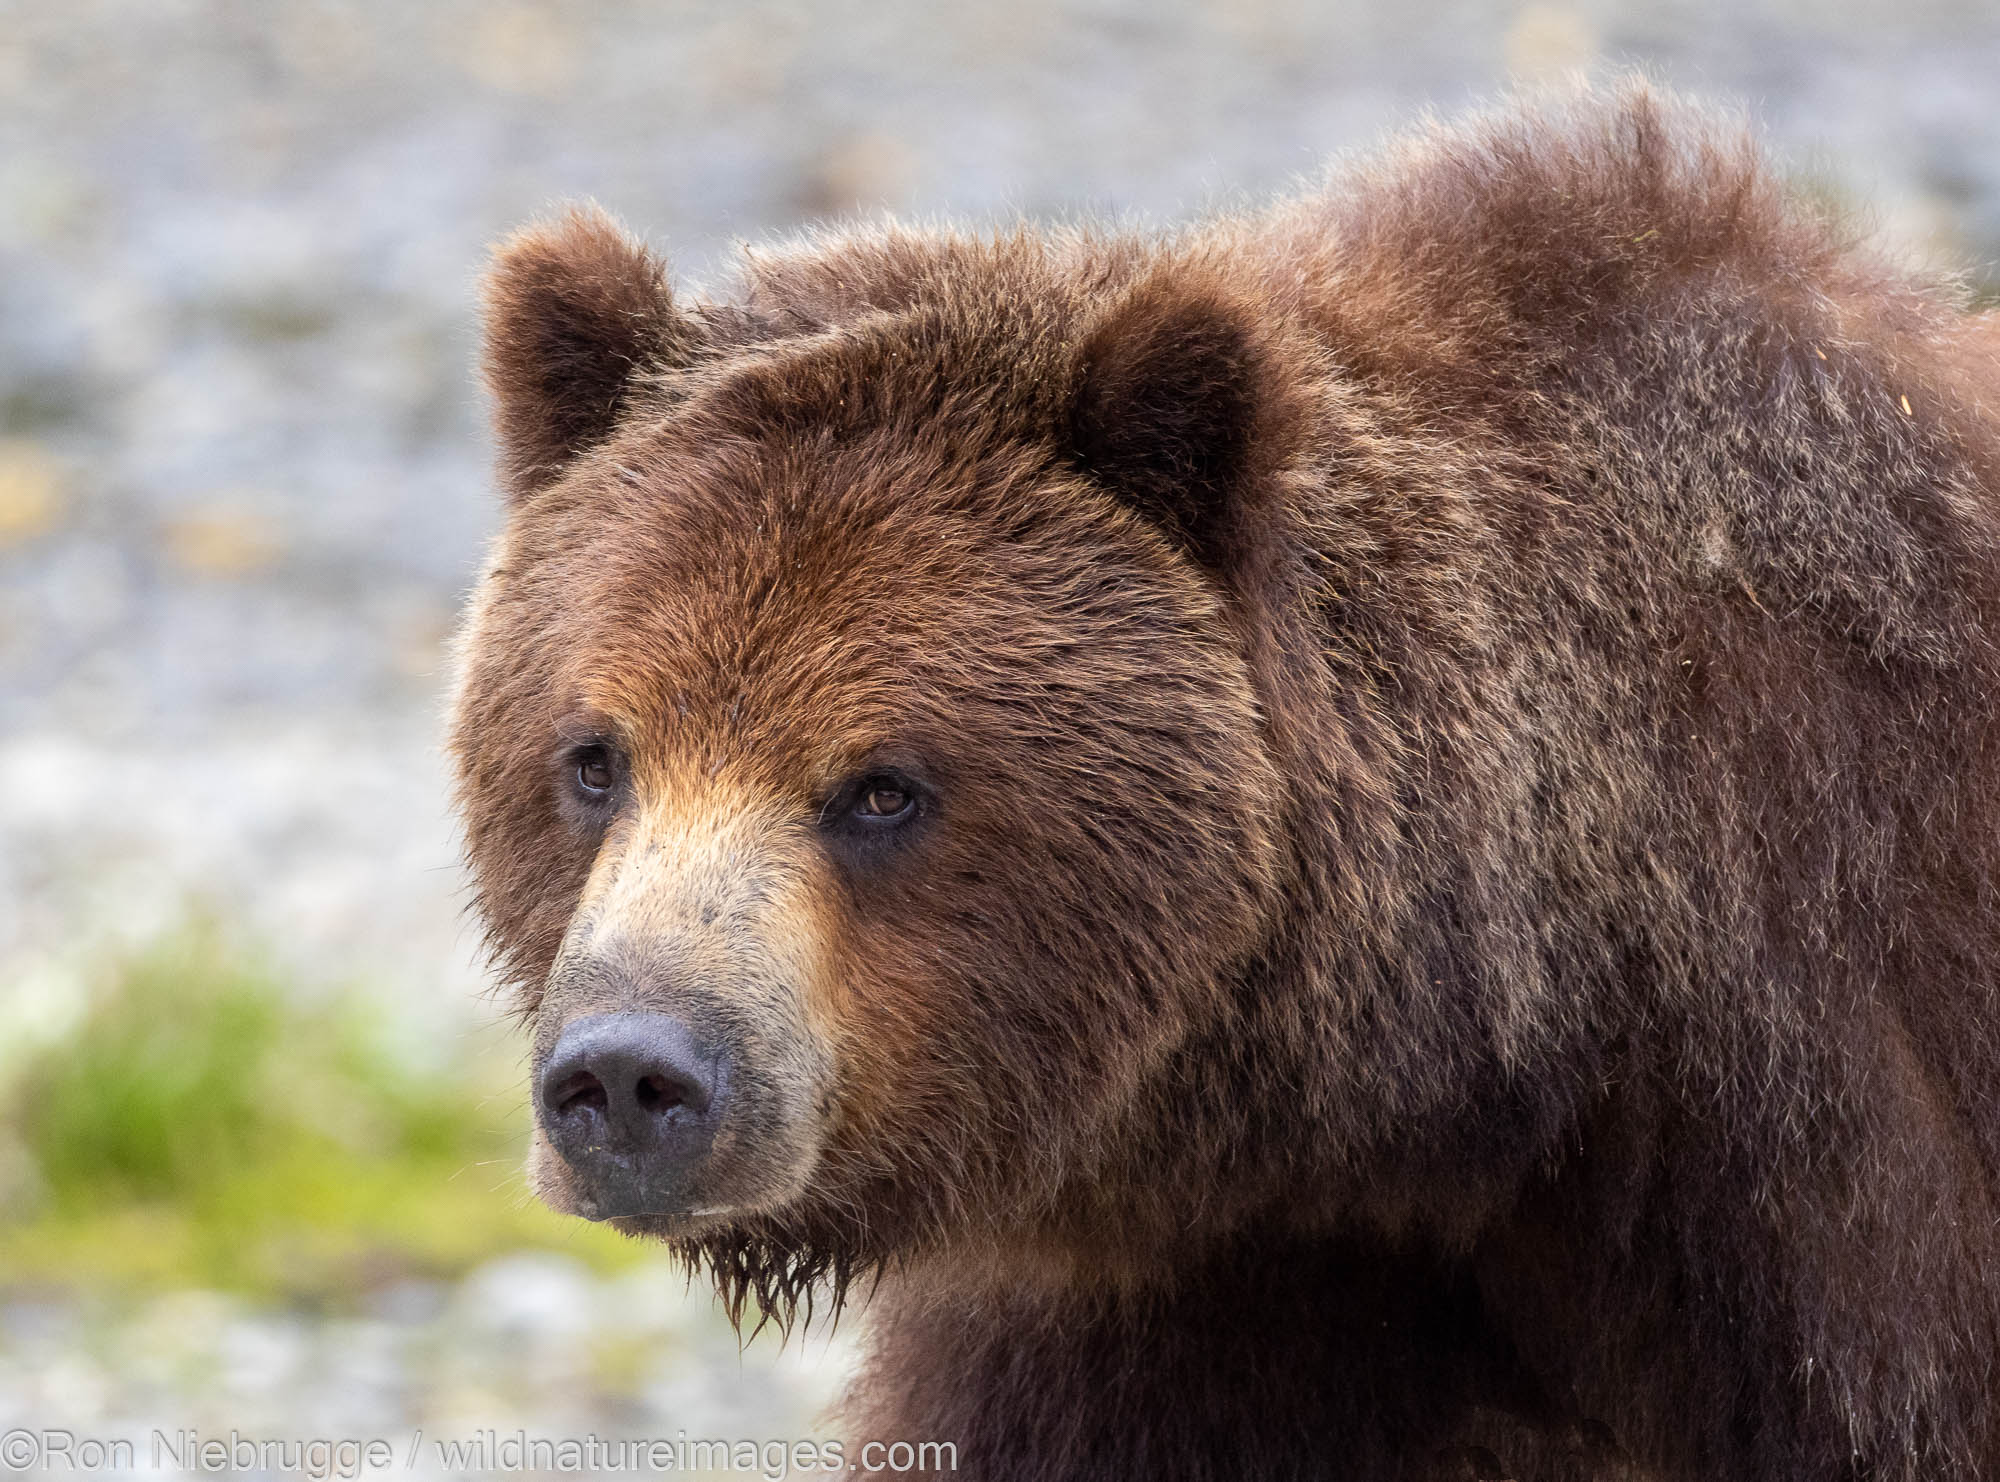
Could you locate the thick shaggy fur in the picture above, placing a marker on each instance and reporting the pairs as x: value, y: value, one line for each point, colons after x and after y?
x: 1459, y: 931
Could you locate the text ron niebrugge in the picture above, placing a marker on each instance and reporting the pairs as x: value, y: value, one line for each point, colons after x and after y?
x: 480, y: 1452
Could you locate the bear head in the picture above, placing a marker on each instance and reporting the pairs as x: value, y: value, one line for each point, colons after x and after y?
x: 861, y: 754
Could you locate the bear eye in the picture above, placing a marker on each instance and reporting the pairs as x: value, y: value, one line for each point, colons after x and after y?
x: 885, y: 798
x: 872, y: 803
x: 594, y: 775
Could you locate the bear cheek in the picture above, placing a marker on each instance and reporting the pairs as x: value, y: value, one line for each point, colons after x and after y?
x: 877, y: 1005
x: 527, y: 866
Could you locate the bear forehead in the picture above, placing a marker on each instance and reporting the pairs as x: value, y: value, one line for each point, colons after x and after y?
x: 767, y: 595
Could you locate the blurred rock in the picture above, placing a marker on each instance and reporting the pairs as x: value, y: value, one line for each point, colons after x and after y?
x: 32, y: 490
x: 221, y: 541
x: 1549, y: 42
x: 527, y: 1297
x: 516, y: 48
x: 871, y: 170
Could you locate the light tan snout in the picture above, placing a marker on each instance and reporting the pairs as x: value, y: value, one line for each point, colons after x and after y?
x: 677, y: 1070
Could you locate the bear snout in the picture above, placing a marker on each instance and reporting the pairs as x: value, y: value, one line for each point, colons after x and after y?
x: 631, y: 1101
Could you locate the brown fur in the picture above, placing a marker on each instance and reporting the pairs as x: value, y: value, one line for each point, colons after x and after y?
x: 1457, y: 929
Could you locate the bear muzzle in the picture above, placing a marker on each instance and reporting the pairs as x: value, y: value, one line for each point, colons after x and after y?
x: 631, y: 1102
x: 679, y: 1075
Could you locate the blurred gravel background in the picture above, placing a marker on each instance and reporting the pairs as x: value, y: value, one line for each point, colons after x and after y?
x: 242, y: 460
x: 526, y: 1345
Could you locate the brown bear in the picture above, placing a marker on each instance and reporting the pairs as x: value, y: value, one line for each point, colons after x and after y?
x: 1352, y: 842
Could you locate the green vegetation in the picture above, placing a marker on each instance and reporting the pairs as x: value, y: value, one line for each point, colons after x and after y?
x: 204, y: 1126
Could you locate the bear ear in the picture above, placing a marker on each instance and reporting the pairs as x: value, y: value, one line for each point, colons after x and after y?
x: 574, y: 308
x: 1180, y: 406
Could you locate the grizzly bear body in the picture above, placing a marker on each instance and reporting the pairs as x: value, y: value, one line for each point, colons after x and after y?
x: 1438, y: 918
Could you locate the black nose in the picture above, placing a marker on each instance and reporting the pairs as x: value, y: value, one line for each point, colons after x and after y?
x: 631, y: 1106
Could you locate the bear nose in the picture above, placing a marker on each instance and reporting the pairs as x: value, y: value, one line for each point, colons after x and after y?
x: 630, y: 1105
